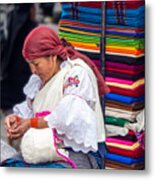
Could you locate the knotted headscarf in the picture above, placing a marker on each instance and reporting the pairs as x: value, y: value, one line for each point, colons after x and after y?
x: 42, y: 41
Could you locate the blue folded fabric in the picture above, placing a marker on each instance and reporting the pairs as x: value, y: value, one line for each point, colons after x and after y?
x: 123, y: 159
x: 128, y: 21
x: 83, y: 17
x: 109, y: 12
x: 131, y: 34
x: 127, y: 12
x: 126, y: 17
x: 13, y: 162
x: 124, y: 99
x: 79, y: 9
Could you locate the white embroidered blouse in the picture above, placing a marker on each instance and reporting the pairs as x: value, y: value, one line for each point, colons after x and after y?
x: 73, y: 117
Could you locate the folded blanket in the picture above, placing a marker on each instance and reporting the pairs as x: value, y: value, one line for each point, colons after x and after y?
x: 92, y: 55
x: 136, y: 92
x: 125, y: 76
x: 131, y: 136
x: 122, y: 146
x: 134, y: 106
x: 84, y: 49
x: 123, y: 159
x: 137, y: 126
x: 118, y: 52
x: 124, y: 36
x: 124, y: 99
x: 119, y: 113
x: 110, y: 4
x: 136, y: 153
x: 121, y: 80
x: 133, y: 86
x: 117, y: 65
x: 115, y: 121
x: 124, y: 50
x: 134, y: 43
x: 125, y: 59
x: 123, y: 106
x: 83, y: 18
x: 122, y: 166
x: 64, y: 29
x: 122, y: 11
x: 80, y: 28
x: 85, y: 45
x: 80, y: 37
x: 127, y: 4
x: 79, y: 24
x: 79, y: 8
x: 112, y: 130
x: 131, y: 72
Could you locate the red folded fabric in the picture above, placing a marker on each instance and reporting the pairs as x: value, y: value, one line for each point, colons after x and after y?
x: 127, y: 4
x: 88, y: 4
x: 139, y: 152
x: 133, y: 93
x: 124, y: 71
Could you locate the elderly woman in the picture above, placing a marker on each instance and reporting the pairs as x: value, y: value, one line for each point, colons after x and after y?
x: 63, y: 95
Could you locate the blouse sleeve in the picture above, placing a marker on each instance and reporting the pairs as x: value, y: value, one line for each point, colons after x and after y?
x: 74, y: 117
x: 24, y: 109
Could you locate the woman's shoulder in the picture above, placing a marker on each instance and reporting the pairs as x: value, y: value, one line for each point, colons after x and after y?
x: 33, y: 85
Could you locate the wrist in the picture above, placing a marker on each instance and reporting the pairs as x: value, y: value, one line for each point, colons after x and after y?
x: 34, y: 121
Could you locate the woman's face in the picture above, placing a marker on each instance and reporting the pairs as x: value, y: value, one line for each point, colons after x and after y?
x: 45, y: 67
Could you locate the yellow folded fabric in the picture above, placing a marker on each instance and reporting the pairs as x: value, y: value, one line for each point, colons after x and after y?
x: 121, y: 146
x: 126, y: 86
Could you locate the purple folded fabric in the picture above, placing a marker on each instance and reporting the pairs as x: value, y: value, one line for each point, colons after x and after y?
x: 124, y: 66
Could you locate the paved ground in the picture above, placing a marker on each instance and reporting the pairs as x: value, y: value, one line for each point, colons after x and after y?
x: 6, y: 150
x: 3, y: 132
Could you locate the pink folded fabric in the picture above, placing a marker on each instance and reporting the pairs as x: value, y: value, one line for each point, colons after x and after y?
x: 121, y: 81
x: 109, y: 79
x: 119, y: 141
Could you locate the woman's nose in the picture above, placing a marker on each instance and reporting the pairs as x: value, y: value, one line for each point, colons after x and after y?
x: 33, y: 69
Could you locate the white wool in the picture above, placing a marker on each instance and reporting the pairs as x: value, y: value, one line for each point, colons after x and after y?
x: 37, y: 146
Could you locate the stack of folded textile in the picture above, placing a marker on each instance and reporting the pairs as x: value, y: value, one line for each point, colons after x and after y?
x: 81, y: 24
x: 124, y: 73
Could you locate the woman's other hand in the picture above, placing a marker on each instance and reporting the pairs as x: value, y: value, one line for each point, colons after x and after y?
x: 20, y: 129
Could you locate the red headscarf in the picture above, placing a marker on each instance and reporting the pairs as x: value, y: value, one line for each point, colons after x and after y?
x: 43, y: 41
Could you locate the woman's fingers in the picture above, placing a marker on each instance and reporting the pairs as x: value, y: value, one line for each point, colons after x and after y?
x: 15, y: 136
x: 14, y: 131
x: 9, y: 121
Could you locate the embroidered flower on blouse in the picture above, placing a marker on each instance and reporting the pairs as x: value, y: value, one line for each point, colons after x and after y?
x: 72, y: 81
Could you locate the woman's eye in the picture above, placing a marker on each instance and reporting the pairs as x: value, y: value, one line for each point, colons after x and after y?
x: 36, y: 64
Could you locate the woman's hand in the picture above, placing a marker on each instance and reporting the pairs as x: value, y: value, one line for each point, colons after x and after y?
x: 20, y: 129
x: 10, y: 123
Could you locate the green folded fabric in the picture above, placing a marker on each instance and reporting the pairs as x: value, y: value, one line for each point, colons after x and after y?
x: 115, y: 121
x: 134, y: 43
x: 79, y: 37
